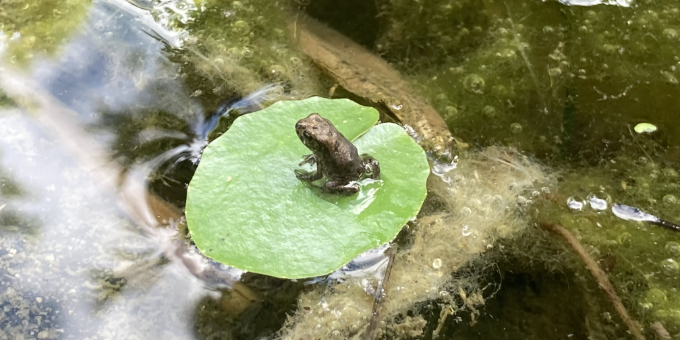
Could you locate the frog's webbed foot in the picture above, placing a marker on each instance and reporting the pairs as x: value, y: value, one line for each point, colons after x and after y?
x: 338, y: 187
x: 371, y: 166
x: 308, y: 176
x: 309, y: 159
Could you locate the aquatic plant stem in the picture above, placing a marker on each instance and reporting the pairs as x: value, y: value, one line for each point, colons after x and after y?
x: 527, y: 62
x: 599, y: 275
x: 380, y: 295
x: 638, y: 144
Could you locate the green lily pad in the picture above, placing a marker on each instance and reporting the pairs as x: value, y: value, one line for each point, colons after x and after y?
x: 245, y: 207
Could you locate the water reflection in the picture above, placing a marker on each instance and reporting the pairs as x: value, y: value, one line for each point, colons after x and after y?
x: 93, y: 253
x: 88, y: 269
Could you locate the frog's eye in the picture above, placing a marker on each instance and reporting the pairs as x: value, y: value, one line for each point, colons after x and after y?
x: 304, y: 133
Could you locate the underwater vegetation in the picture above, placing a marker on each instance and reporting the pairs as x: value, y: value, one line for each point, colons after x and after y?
x: 542, y: 99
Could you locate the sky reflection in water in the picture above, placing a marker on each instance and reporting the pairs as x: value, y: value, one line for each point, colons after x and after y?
x: 68, y: 252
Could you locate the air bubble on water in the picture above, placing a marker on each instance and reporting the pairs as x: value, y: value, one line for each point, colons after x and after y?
x: 466, y: 230
x: 646, y: 305
x: 515, y: 127
x: 670, y: 33
x: 669, y: 199
x: 555, y: 71
x: 574, y: 204
x: 506, y: 53
x: 296, y: 61
x: 241, y: 27
x: 670, y: 172
x: 521, y: 200
x: 474, y: 83
x: 673, y: 248
x: 440, y: 168
x: 246, y: 53
x: 670, y: 266
x: 437, y: 263
x: 497, y: 203
x: 451, y: 112
x: 465, y: 212
x: 597, y: 203
x: 669, y: 77
x: 489, y: 111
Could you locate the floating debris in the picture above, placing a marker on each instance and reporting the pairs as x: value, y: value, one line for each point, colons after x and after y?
x: 645, y: 128
x: 634, y: 214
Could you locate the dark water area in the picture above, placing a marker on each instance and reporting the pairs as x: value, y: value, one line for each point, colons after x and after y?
x: 106, y: 106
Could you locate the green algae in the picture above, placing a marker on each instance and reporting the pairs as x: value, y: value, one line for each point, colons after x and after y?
x: 641, y: 258
x: 571, y: 77
x: 237, y: 47
x: 568, y: 85
x: 417, y: 36
x: 30, y: 28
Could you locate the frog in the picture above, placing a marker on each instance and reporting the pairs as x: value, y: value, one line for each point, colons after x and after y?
x: 335, y: 157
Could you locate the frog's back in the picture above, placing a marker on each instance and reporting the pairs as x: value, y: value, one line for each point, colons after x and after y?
x: 344, y: 160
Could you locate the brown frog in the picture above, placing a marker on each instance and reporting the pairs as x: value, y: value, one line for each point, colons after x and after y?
x: 335, y: 156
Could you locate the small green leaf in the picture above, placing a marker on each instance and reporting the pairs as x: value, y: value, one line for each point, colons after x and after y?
x: 245, y: 207
x: 645, y: 128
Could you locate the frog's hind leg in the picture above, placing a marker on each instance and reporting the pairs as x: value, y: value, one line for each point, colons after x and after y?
x: 341, y: 187
x: 371, y: 166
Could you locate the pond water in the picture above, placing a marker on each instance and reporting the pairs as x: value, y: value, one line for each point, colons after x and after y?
x: 105, y: 106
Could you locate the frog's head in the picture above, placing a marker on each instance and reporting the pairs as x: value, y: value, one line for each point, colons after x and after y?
x: 313, y: 131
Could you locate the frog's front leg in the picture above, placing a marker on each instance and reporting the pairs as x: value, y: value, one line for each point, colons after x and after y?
x: 371, y: 166
x: 312, y: 175
x: 342, y: 187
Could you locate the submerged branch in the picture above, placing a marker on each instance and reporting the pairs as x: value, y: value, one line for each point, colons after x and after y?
x: 380, y: 294
x: 599, y: 275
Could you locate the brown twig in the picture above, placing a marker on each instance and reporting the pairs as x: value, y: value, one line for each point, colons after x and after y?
x: 599, y: 275
x: 380, y: 294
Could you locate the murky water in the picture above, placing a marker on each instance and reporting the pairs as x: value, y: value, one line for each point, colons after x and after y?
x: 105, y: 105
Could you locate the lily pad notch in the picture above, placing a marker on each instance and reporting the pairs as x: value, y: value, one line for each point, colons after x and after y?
x: 245, y: 207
